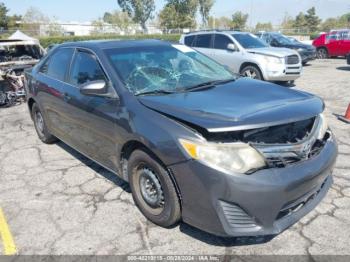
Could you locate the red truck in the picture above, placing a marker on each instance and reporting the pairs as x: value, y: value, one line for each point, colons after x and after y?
x: 335, y: 43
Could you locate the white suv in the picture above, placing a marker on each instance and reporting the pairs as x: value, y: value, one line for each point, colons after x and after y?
x: 246, y: 54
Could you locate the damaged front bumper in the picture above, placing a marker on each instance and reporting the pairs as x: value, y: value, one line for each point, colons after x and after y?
x: 263, y: 203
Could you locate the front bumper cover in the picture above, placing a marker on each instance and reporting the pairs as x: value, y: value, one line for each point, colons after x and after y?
x: 266, y: 202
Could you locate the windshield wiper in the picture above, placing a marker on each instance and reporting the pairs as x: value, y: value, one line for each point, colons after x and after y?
x: 209, y: 84
x: 155, y: 92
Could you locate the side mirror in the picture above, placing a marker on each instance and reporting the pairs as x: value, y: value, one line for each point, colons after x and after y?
x: 94, y: 88
x: 231, y: 47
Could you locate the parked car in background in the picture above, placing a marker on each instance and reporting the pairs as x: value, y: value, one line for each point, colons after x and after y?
x: 335, y: 43
x: 232, y: 156
x: 348, y: 59
x: 307, y: 52
x: 246, y: 54
x: 15, y: 57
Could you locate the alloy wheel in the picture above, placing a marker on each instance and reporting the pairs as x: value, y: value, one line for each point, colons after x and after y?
x: 250, y: 73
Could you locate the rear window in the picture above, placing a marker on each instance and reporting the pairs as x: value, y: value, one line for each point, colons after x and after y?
x: 203, y: 41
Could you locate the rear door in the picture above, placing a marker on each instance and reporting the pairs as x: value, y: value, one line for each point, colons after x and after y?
x: 90, y: 120
x: 344, y: 44
x: 50, y: 83
x: 333, y: 44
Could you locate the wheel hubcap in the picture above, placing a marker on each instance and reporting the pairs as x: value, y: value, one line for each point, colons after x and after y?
x: 250, y: 73
x: 151, y: 190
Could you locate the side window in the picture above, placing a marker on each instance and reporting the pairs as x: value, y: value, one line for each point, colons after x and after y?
x: 43, y: 68
x: 266, y: 38
x: 85, y: 69
x: 221, y: 42
x: 203, y: 41
x: 57, y: 65
x: 189, y: 40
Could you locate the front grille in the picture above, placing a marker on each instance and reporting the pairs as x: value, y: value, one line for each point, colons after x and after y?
x: 292, y: 60
x: 236, y: 216
x: 283, y: 160
x: 295, y: 205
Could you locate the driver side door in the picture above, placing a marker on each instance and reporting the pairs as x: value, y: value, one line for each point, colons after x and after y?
x: 90, y: 120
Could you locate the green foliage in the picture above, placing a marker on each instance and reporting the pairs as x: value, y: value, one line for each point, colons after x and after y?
x: 3, y: 16
x: 204, y: 9
x: 32, y: 19
x: 46, y: 41
x: 336, y: 23
x: 140, y: 10
x: 312, y: 20
x: 288, y: 22
x: 119, y: 19
x: 239, y: 20
x: 263, y: 27
x: 222, y: 22
x: 179, y: 14
x: 300, y: 21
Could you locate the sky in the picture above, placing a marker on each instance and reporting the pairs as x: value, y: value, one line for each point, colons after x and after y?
x: 259, y: 10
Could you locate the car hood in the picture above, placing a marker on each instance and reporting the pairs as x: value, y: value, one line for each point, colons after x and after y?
x: 272, y: 51
x: 239, y: 105
x: 301, y: 45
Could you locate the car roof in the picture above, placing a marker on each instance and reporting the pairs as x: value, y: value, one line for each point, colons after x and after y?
x: 216, y: 32
x: 109, y: 44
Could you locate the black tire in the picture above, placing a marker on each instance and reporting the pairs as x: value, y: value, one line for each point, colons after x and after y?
x: 40, y: 126
x: 252, y: 72
x: 322, y: 53
x: 165, y: 211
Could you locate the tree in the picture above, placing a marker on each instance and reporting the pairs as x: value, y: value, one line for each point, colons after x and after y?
x: 263, y: 27
x: 344, y: 20
x: 312, y: 20
x: 118, y: 19
x: 139, y: 10
x: 32, y: 20
x: 300, y: 21
x: 3, y: 16
x: 239, y: 20
x: 329, y: 24
x: 179, y: 14
x: 287, y: 22
x: 13, y: 21
x: 204, y: 9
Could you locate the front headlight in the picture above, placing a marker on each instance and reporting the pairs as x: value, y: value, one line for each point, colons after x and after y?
x: 273, y: 59
x: 230, y: 157
x: 300, y: 50
x: 322, y: 127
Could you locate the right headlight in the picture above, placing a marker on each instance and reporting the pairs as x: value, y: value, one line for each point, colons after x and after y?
x: 322, y: 127
x: 273, y: 59
x: 226, y: 157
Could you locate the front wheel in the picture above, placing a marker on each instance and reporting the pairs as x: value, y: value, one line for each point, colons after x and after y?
x: 252, y: 72
x: 153, y: 190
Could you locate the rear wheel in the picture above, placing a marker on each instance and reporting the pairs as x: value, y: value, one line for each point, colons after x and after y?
x: 252, y: 72
x: 322, y: 53
x: 40, y: 126
x: 153, y: 190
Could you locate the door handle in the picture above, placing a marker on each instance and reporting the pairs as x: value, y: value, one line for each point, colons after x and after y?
x: 66, y: 97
